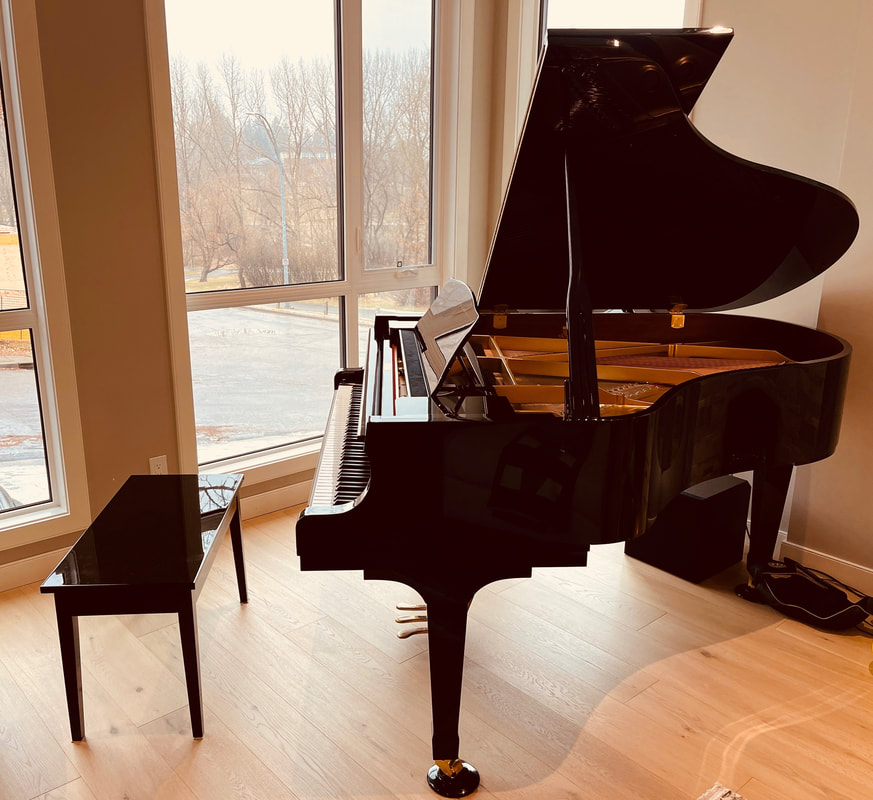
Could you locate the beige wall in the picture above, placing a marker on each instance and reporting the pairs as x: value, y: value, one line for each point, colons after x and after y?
x: 780, y: 97
x: 97, y: 103
x: 832, y: 512
x: 794, y: 91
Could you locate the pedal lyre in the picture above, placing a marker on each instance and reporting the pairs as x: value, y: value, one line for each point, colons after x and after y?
x: 411, y: 618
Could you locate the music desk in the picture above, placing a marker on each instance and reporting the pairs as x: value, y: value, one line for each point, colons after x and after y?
x: 147, y: 552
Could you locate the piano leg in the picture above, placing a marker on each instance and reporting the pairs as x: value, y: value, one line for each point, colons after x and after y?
x: 769, y: 490
x: 448, y: 591
x: 446, y: 634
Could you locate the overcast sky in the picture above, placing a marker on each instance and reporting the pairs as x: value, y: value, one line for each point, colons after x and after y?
x: 616, y: 13
x: 260, y: 32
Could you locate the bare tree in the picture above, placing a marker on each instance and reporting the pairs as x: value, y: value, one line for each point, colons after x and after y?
x: 257, y: 157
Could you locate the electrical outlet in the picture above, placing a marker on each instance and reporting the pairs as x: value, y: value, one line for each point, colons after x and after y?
x: 158, y: 465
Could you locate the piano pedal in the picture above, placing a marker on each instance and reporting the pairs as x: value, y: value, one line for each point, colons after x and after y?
x: 411, y: 607
x: 405, y: 634
x: 411, y: 618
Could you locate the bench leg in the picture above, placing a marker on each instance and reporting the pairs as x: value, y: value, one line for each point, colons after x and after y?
x: 236, y: 541
x: 68, y: 633
x: 191, y: 659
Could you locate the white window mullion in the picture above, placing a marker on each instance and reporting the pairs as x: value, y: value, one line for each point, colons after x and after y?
x: 351, y: 126
x: 202, y: 301
x: 445, y: 109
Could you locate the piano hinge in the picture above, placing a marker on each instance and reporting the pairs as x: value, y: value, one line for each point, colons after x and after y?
x: 500, y: 317
x: 677, y: 318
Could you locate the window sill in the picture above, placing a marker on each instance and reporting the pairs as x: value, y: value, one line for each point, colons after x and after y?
x: 29, y: 525
x: 275, y: 480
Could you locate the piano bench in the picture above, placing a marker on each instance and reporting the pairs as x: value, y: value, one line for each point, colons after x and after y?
x: 700, y: 533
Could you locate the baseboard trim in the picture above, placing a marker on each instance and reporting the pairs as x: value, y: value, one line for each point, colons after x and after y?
x: 275, y: 500
x: 855, y: 575
x: 29, y: 570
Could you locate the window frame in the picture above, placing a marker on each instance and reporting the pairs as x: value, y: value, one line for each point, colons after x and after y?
x: 46, y: 315
x: 355, y: 281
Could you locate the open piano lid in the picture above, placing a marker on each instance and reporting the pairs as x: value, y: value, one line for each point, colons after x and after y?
x: 664, y: 217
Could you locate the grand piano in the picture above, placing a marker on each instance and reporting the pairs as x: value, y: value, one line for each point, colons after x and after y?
x: 587, y: 383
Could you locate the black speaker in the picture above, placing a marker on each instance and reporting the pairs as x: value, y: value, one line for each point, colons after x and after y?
x: 700, y: 533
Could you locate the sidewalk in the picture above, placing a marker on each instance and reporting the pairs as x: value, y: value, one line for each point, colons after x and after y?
x: 15, y: 362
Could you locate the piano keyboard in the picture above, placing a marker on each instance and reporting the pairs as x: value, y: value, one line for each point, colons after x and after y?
x: 343, y: 469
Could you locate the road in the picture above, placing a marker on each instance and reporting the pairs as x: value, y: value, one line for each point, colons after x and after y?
x: 261, y: 377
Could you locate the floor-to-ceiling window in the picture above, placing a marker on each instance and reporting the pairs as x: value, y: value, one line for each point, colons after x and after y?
x: 304, y: 160
x: 42, y: 482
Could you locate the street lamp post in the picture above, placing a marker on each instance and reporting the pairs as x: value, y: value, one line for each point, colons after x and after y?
x: 265, y: 123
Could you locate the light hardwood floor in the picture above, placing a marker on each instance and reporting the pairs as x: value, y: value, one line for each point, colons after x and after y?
x: 611, y: 682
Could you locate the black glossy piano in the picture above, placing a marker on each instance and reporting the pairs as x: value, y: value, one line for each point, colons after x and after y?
x: 587, y: 383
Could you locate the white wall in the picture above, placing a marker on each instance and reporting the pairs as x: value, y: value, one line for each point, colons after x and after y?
x: 832, y: 512
x: 794, y: 91
x: 781, y: 97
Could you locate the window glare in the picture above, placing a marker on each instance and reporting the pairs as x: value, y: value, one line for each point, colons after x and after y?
x: 616, y: 14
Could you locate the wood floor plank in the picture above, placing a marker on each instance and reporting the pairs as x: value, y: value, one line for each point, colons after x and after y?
x: 74, y: 790
x: 565, y: 691
x: 606, y: 772
x: 334, y: 594
x: 353, y: 722
x: 287, y: 610
x: 691, y: 762
x: 402, y: 690
x: 293, y: 749
x: 784, y: 760
x: 115, y: 760
x: 218, y: 766
x: 590, y: 588
x: 737, y: 680
x: 853, y: 644
x: 543, y: 598
x: 139, y: 683
x: 141, y: 624
x: 755, y: 789
x: 31, y: 761
x: 566, y: 633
